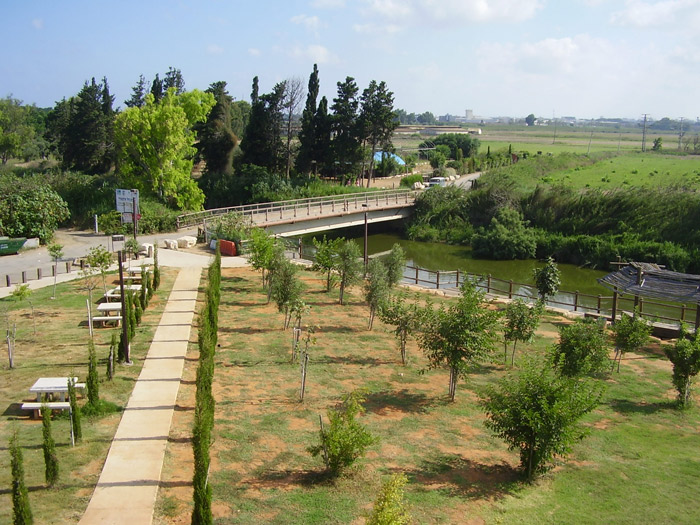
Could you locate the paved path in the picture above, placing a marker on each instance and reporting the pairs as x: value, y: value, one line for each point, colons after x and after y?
x: 127, y: 488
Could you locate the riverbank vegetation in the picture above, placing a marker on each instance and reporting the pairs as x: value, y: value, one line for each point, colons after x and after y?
x: 570, y: 217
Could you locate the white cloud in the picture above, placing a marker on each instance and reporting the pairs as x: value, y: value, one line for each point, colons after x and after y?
x: 252, y: 51
x: 316, y: 53
x: 214, y: 49
x: 640, y: 13
x: 452, y: 12
x: 38, y: 23
x: 328, y: 4
x: 312, y: 23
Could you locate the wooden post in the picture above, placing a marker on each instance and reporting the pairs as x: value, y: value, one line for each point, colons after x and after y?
x: 87, y: 302
x: 68, y: 267
x: 303, y: 375
x: 488, y: 283
x: 510, y: 289
x: 437, y: 282
x: 457, y: 283
x: 24, y: 276
x: 8, y: 278
x: 600, y: 298
x: 641, y: 306
x: 682, y: 313
x: 614, y: 305
x: 576, y: 301
x: 38, y: 273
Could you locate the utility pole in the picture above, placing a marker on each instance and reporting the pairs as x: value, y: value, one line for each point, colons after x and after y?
x: 644, y: 134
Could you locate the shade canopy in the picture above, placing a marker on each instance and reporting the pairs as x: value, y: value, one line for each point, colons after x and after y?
x: 382, y: 154
x: 651, y: 280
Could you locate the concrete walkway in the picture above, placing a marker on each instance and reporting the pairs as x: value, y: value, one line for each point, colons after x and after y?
x: 127, y: 488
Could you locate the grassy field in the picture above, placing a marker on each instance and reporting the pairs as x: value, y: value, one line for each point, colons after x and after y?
x: 639, y: 464
x: 59, y: 349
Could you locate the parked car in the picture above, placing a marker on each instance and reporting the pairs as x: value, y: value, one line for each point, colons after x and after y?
x: 437, y: 181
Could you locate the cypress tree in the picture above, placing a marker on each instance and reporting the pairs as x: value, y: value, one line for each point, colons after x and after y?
x: 138, y: 309
x: 21, y: 511
x: 75, y: 411
x: 111, y: 356
x: 307, y: 135
x: 143, y: 296
x: 93, y: 380
x: 131, y: 315
x: 156, y: 269
x: 49, y: 446
x: 121, y: 353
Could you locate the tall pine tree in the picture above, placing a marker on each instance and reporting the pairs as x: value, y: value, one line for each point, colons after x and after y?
x: 346, y: 145
x: 263, y: 141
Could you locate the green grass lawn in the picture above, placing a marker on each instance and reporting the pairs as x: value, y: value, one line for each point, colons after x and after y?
x: 639, y: 463
x: 59, y: 348
x: 635, y: 169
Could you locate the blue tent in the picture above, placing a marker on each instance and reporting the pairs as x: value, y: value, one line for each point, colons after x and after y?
x: 378, y: 157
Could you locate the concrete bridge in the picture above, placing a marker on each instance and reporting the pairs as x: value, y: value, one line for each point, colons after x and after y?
x: 302, y: 216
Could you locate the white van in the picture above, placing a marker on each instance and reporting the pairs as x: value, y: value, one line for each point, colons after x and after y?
x: 437, y: 181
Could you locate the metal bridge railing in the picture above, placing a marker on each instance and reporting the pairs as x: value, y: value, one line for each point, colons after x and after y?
x: 313, y: 206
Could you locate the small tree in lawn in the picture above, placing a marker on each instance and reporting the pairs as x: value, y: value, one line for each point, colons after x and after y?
x: 132, y: 248
x: 404, y: 316
x: 22, y: 293
x: 348, y: 265
x: 298, y: 310
x: 93, y: 379
x: 376, y: 287
x: 345, y: 440
x: 630, y: 333
x: 395, y: 263
x: 286, y: 288
x: 101, y: 259
x: 56, y: 252
x: 262, y: 250
x: 49, y: 448
x: 460, y: 336
x: 547, y: 280
x: 582, y: 349
x: 521, y: 322
x: 89, y: 280
x: 75, y: 411
x: 21, y: 512
x: 326, y: 257
x: 685, y: 356
x: 537, y: 412
x: 390, y: 507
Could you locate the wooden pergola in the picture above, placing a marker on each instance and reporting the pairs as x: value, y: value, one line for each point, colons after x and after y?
x: 653, y: 281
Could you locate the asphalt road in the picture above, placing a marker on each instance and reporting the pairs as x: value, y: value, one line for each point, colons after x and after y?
x: 76, y: 243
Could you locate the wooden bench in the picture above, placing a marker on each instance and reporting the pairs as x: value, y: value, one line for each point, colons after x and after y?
x: 53, y: 405
x: 104, y: 319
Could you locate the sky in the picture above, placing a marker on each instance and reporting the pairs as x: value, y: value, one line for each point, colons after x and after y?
x: 582, y: 58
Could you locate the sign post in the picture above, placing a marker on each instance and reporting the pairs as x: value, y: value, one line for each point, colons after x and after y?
x: 128, y: 206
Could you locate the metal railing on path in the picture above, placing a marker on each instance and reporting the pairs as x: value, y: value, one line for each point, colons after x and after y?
x: 297, y: 209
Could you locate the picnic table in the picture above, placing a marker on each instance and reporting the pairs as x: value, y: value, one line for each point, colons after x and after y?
x: 137, y: 270
x: 105, y: 313
x: 115, y: 293
x: 53, y: 385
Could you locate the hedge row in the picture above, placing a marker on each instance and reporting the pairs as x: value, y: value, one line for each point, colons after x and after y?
x: 204, y: 402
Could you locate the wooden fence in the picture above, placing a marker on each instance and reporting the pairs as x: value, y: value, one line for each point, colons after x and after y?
x: 666, y: 312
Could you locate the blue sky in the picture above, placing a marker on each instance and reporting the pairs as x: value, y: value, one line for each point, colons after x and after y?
x: 584, y: 58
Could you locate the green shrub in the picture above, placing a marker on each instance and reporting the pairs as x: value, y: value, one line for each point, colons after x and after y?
x: 22, y: 513
x: 344, y: 440
x: 389, y: 507
x: 49, y: 448
x: 536, y: 412
x: 409, y: 180
x: 582, y: 349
